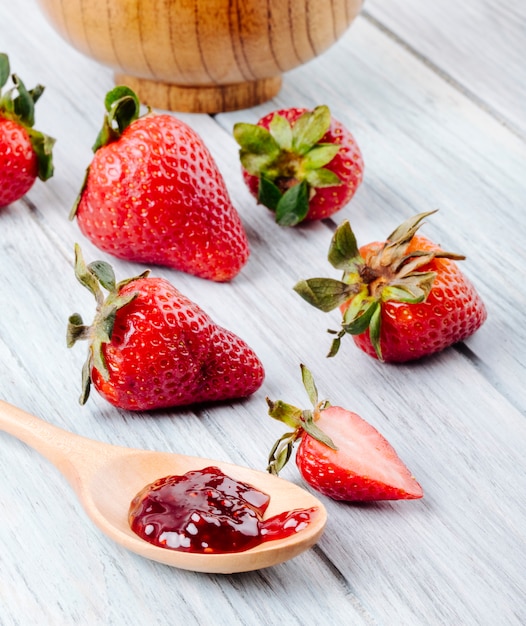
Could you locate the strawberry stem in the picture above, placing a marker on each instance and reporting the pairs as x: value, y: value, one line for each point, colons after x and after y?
x: 122, y: 109
x: 301, y: 421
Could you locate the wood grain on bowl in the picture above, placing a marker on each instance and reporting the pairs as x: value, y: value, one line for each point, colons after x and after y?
x: 201, y: 55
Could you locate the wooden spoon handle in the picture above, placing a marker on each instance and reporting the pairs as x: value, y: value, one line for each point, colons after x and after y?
x: 67, y: 451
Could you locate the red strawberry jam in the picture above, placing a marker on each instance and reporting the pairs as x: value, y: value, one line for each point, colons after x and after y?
x: 206, y: 511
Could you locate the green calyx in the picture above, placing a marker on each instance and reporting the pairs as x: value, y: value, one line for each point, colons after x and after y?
x: 300, y: 421
x: 18, y: 105
x: 122, y: 109
x: 392, y: 274
x: 97, y: 276
x: 289, y: 161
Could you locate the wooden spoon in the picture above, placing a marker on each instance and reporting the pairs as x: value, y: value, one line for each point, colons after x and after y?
x: 107, y: 477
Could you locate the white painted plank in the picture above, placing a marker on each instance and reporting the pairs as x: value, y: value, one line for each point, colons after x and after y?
x: 480, y: 45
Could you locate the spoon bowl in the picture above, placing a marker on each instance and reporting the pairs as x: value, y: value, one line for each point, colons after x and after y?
x: 106, y: 478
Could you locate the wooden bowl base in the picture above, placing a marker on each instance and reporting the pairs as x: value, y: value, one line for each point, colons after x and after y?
x: 201, y: 99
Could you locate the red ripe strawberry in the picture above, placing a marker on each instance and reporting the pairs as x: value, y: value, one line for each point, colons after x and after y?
x: 151, y: 347
x: 340, y: 454
x: 153, y: 194
x: 25, y: 153
x: 303, y: 165
x: 402, y: 299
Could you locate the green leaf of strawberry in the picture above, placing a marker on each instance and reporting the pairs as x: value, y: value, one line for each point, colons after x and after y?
x: 357, y: 320
x: 380, y: 285
x: 258, y: 147
x: 321, y: 177
x: 43, y: 147
x: 294, y: 148
x: 293, y: 205
x: 4, y: 69
x: 269, y: 193
x: 286, y: 413
x: 122, y: 109
x: 325, y: 294
x: 343, y: 251
x: 309, y: 384
x: 280, y: 130
x: 310, y: 128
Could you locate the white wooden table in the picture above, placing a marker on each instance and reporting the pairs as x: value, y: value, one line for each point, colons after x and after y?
x: 434, y: 93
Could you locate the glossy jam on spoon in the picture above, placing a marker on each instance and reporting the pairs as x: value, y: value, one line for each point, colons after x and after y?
x: 106, y: 478
x: 209, y: 512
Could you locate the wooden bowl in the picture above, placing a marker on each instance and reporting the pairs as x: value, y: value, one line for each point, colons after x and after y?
x: 201, y: 55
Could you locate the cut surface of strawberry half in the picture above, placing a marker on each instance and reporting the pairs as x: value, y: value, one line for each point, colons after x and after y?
x: 364, y: 467
x: 340, y: 454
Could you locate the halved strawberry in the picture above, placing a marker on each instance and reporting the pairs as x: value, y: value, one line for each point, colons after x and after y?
x: 340, y: 454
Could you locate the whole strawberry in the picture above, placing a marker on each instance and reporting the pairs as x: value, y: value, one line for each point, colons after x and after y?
x: 25, y: 153
x: 339, y: 454
x: 153, y: 194
x: 303, y: 165
x: 402, y: 299
x: 151, y: 347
